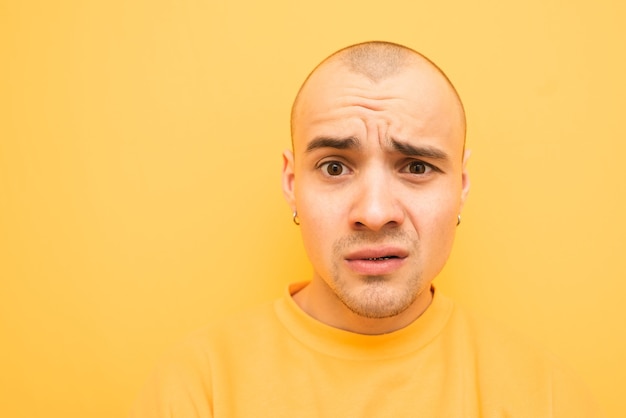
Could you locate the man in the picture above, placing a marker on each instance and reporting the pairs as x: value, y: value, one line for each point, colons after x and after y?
x: 376, y: 181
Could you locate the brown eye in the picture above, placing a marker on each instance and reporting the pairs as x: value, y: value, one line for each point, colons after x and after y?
x: 417, y: 167
x: 334, y: 169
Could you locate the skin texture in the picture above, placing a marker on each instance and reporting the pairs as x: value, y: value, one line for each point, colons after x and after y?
x: 378, y: 176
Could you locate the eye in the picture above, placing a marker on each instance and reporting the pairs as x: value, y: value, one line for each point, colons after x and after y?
x: 418, y: 167
x: 333, y: 168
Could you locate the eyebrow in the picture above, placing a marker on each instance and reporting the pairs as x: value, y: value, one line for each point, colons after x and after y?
x: 415, y: 151
x: 337, y: 143
x: 398, y: 146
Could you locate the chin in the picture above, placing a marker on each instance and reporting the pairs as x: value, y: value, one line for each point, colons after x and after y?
x: 377, y: 299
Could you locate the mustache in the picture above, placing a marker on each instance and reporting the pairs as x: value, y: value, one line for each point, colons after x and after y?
x: 386, y: 236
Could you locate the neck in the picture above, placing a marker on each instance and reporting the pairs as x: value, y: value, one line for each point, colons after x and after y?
x: 321, y: 303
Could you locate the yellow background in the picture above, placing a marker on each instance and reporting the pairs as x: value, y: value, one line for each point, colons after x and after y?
x: 140, y: 148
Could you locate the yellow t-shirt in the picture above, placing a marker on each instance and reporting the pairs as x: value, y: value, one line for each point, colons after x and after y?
x: 276, y: 361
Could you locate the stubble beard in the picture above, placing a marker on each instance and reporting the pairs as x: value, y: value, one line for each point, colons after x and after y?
x: 376, y: 296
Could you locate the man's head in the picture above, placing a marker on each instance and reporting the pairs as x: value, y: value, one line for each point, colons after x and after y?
x: 377, y: 176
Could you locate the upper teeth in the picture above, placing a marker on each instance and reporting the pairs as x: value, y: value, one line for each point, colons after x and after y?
x: 379, y: 258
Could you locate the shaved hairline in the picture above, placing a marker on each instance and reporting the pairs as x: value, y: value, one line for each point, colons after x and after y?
x: 377, y: 60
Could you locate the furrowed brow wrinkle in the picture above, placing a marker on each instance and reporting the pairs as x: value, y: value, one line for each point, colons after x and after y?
x: 337, y: 143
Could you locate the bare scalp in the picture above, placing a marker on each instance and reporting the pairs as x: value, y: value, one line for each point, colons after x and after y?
x: 376, y: 60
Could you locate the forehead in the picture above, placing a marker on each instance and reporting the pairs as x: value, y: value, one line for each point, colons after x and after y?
x: 416, y: 101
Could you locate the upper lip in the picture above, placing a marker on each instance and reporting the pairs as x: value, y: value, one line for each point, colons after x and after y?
x: 377, y: 252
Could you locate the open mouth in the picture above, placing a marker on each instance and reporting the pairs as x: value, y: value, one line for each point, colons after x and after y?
x: 377, y: 261
x: 387, y: 257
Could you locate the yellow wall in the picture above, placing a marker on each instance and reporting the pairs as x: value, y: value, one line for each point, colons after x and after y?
x: 140, y: 160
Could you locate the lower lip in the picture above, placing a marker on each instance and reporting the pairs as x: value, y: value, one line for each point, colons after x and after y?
x: 375, y: 267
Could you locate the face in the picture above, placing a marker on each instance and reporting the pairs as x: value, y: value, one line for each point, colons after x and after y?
x: 378, y: 178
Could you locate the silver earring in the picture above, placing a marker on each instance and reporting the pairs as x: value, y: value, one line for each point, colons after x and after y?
x: 295, y: 218
x: 458, y: 219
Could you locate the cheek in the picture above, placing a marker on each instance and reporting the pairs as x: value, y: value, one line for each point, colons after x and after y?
x: 433, y: 209
x: 322, y: 223
x: 319, y: 227
x: 442, y: 224
x: 318, y: 242
x: 319, y: 207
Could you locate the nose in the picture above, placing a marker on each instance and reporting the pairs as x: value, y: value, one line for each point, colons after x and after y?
x: 376, y: 204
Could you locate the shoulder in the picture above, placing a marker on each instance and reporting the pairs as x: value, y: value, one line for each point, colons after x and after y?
x: 510, y: 366
x: 182, y: 382
x: 233, y: 331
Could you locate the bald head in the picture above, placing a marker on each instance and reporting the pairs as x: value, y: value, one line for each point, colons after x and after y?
x: 376, y: 61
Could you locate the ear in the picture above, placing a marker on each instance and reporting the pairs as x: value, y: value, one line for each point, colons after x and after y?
x: 289, y: 179
x: 465, y: 180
